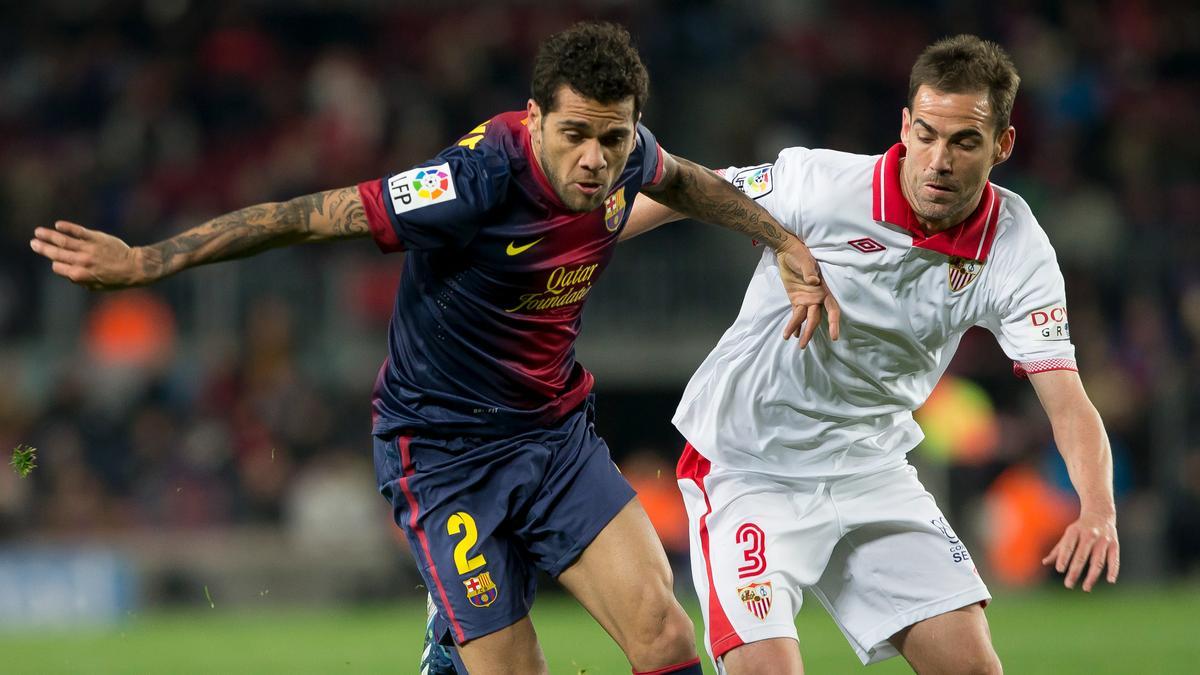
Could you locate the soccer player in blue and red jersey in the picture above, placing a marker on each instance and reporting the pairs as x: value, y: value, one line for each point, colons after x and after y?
x: 482, y: 418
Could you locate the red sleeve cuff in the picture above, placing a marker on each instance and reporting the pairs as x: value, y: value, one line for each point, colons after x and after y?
x: 1023, y: 369
x: 658, y: 170
x: 371, y: 193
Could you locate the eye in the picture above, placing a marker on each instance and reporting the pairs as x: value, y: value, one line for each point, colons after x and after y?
x: 968, y: 145
x: 924, y: 139
x: 612, y: 140
x: 573, y: 136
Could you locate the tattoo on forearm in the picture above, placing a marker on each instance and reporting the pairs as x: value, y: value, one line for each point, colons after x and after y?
x: 701, y: 194
x: 324, y: 215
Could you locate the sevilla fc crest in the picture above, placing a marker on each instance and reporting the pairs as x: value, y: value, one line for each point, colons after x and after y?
x: 614, y: 208
x: 481, y: 592
x: 962, y: 272
x: 757, y: 598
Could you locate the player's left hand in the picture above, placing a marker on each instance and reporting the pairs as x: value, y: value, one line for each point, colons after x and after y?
x: 1091, y: 542
x: 807, y: 292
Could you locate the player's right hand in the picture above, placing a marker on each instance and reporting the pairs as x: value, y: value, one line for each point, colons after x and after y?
x: 89, y: 258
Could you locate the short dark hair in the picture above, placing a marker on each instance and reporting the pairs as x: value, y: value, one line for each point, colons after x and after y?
x: 597, y: 60
x: 964, y: 64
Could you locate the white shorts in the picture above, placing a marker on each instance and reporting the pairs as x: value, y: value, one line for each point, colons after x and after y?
x: 873, y: 548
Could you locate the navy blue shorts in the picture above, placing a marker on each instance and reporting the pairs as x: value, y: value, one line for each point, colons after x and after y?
x: 482, y: 515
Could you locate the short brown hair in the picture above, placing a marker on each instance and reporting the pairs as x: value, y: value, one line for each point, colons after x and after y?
x: 597, y: 60
x: 965, y: 64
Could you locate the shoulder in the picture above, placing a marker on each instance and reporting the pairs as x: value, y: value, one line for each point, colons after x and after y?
x: 1018, y: 232
x: 500, y: 136
x: 1021, y: 252
x: 816, y: 173
x: 821, y: 163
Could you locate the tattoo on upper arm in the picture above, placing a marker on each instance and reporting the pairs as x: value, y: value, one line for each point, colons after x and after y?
x: 700, y: 193
x: 345, y: 212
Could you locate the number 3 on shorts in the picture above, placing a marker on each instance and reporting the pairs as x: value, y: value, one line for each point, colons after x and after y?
x: 756, y: 559
x: 458, y: 523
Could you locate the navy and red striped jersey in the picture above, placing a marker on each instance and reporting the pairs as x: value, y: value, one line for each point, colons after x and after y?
x: 482, y: 338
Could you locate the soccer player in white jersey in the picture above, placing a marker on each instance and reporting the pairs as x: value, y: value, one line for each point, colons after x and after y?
x: 794, y: 475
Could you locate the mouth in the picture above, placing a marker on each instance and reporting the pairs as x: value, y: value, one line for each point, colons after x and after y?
x: 588, y: 188
x: 940, y: 189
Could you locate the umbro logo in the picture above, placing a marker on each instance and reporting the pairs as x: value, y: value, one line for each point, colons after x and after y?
x: 867, y: 245
x: 513, y: 249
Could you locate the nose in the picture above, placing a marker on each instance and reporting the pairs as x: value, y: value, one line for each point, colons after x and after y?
x: 940, y: 158
x: 592, y: 159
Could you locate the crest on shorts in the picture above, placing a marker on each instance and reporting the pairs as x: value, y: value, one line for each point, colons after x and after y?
x: 614, y: 208
x: 962, y: 272
x: 757, y: 598
x: 481, y: 592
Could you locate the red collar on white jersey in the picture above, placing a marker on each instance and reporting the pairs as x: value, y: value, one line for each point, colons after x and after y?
x: 970, y: 239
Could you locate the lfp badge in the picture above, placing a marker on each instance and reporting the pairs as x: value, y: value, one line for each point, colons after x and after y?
x: 614, y: 208
x: 431, y: 183
x: 481, y: 592
x: 755, y: 182
x: 757, y: 598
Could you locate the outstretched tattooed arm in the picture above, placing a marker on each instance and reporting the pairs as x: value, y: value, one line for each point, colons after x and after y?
x: 101, y: 261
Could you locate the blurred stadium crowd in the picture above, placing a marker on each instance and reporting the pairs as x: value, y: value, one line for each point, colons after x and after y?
x: 240, y: 394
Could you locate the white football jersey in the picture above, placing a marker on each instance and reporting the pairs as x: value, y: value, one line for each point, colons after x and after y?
x: 760, y: 403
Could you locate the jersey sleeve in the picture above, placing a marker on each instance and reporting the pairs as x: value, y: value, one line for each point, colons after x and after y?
x: 652, y: 164
x: 761, y: 183
x: 438, y: 203
x: 1030, y: 320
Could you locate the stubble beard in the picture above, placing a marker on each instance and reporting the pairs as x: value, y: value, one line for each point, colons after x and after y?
x: 577, y: 203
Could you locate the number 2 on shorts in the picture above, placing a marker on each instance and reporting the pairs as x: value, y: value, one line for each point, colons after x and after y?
x: 756, y: 559
x: 459, y: 522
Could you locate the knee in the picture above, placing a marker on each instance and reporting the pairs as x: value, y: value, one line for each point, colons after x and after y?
x: 663, y: 633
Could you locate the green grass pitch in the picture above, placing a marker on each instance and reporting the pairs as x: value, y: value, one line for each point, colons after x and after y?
x: 1115, y: 630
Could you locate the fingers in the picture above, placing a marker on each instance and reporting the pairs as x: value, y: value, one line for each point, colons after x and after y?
x: 1063, y: 550
x: 1082, y: 551
x: 1098, y: 555
x: 1052, y: 555
x: 1087, y: 548
x: 77, y: 231
x: 792, y: 329
x: 834, y: 312
x: 1114, y: 561
x: 56, y: 238
x: 56, y: 253
x: 810, y: 325
x: 71, y: 272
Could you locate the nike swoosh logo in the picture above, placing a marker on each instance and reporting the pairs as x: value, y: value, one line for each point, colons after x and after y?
x: 513, y: 249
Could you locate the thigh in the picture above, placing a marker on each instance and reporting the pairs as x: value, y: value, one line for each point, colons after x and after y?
x: 578, y: 494
x: 622, y: 573
x: 957, y: 641
x: 899, y: 563
x: 475, y: 570
x: 756, y: 543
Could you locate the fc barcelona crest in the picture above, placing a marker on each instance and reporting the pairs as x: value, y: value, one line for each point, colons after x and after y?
x: 614, y: 209
x: 757, y: 598
x: 481, y: 592
x: 962, y: 272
